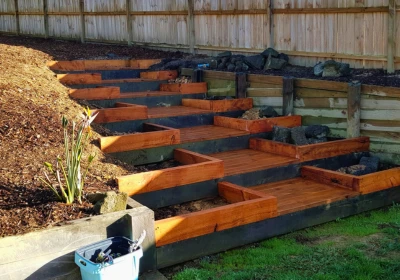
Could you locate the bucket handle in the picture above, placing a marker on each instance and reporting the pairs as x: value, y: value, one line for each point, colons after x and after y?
x: 82, y: 262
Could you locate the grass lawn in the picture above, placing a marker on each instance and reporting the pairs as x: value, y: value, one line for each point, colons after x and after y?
x: 366, y: 246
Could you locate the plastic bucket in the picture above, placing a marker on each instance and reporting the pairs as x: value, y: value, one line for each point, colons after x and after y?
x: 123, y: 267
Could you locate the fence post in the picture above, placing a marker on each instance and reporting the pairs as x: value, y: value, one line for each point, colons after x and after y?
x: 241, y: 85
x: 391, y: 37
x: 18, y: 31
x: 353, y: 109
x: 46, y: 19
x: 198, y: 76
x: 129, y: 22
x: 191, y: 29
x: 271, y: 23
x: 83, y: 25
x: 287, y: 95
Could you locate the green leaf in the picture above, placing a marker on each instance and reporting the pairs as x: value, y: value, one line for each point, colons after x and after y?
x: 64, y: 122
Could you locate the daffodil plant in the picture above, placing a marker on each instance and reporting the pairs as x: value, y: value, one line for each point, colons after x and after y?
x: 67, y: 172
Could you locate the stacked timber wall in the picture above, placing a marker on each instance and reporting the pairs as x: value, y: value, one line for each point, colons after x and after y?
x: 325, y: 102
x: 361, y: 32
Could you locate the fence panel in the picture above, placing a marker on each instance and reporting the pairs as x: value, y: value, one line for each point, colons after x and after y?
x: 64, y: 19
x: 8, y: 21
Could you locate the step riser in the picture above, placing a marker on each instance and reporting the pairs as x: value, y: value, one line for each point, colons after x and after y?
x: 174, y: 122
x: 293, y: 170
x: 206, y: 189
x: 152, y: 155
x: 224, y: 240
x: 126, y: 87
x: 109, y: 74
x: 151, y: 101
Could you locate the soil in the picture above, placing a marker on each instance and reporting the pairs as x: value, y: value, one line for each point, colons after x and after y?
x: 189, y: 207
x: 158, y: 166
x: 32, y: 102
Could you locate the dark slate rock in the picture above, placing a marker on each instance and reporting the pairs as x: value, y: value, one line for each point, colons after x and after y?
x: 224, y: 54
x: 335, y: 69
x: 214, y: 64
x: 281, y: 134
x: 317, y: 131
x: 267, y: 112
x: 284, y: 57
x: 221, y: 66
x: 231, y: 67
x: 238, y: 63
x: 176, y: 64
x: 255, y: 61
x: 298, y: 136
x: 372, y: 163
x: 344, y: 69
x: 238, y: 69
x: 319, y: 69
x: 245, y: 67
x: 270, y: 51
x: 275, y: 63
x: 317, y: 140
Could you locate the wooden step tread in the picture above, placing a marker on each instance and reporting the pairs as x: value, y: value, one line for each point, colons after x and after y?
x: 172, y: 111
x: 133, y: 80
x: 208, y: 132
x: 247, y: 160
x: 147, y: 94
x: 299, y: 194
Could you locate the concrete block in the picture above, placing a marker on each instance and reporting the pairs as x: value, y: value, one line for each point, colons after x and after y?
x: 49, y: 253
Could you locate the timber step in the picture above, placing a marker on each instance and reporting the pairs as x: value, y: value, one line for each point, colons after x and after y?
x: 208, y: 132
x: 248, y: 160
x: 172, y: 111
x: 299, y: 193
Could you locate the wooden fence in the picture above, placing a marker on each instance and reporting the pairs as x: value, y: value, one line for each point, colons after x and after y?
x: 361, y: 32
x: 326, y: 103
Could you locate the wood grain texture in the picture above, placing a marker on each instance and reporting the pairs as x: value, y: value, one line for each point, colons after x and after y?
x: 248, y: 160
x: 299, y: 193
x: 218, y: 106
x: 80, y: 79
x: 160, y: 75
x: 85, y: 65
x: 252, y: 209
x: 98, y: 93
x: 174, y: 176
x: 148, y: 139
x: 110, y: 115
x: 364, y: 184
x: 234, y: 193
x: 257, y: 126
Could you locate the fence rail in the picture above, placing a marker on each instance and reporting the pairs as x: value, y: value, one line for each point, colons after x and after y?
x: 363, y: 33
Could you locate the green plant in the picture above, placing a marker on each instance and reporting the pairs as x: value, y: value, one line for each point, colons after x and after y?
x: 67, y: 172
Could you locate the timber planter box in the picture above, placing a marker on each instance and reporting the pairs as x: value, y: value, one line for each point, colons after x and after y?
x: 245, y: 206
x: 121, y: 112
x: 195, y: 168
x: 257, y: 126
x: 219, y: 106
x: 364, y: 184
x: 153, y: 135
x: 185, y: 88
x: 312, y: 151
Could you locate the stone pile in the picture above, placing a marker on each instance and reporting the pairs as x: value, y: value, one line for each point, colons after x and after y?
x: 331, y: 68
x: 260, y: 113
x: 268, y: 59
x: 367, y: 165
x: 301, y: 136
x: 226, y: 61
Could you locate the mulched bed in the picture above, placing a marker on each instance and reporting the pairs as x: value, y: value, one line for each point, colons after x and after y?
x: 189, y: 207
